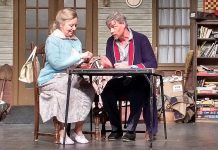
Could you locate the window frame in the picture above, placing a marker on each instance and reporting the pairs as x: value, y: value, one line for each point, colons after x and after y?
x: 155, y: 35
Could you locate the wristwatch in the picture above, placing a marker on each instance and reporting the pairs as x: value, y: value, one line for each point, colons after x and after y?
x: 133, y: 3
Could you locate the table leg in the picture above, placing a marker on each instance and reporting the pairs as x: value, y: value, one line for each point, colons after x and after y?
x: 150, y: 80
x: 67, y: 105
x: 151, y: 108
x: 163, y: 106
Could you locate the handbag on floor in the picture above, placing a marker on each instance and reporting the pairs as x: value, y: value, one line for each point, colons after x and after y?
x: 26, y: 72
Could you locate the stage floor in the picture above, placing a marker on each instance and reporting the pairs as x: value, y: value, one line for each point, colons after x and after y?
x: 191, y: 136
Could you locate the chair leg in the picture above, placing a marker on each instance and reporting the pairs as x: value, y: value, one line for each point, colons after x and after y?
x: 96, y: 115
x: 36, y: 130
x: 97, y: 131
x: 103, y: 120
x: 103, y: 131
x: 125, y: 119
x: 57, y: 129
x: 120, y: 109
x: 68, y: 129
x: 121, y: 113
x: 36, y: 122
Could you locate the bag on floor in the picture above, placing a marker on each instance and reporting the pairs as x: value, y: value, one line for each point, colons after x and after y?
x: 173, y: 85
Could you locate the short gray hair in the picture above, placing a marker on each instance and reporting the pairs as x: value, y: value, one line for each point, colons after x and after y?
x: 117, y: 16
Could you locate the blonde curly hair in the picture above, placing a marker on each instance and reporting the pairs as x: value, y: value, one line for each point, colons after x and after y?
x: 63, y: 15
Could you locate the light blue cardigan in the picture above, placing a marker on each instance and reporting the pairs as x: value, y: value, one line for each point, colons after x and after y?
x: 61, y: 53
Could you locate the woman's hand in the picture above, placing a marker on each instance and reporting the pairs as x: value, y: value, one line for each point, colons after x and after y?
x: 86, y: 56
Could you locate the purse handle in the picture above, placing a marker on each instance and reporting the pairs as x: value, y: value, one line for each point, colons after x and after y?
x: 178, y: 73
x: 2, y: 89
x: 32, y: 55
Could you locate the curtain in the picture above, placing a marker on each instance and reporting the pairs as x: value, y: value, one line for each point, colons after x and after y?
x: 174, y: 31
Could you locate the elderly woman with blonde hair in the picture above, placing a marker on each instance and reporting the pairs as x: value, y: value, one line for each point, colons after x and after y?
x: 64, y: 50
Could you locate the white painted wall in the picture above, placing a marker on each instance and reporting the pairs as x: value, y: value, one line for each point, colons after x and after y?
x: 6, y: 33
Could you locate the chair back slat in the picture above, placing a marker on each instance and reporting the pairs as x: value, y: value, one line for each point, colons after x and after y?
x: 38, y: 62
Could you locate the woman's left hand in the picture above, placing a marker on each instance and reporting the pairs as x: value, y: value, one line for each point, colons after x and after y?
x: 86, y: 56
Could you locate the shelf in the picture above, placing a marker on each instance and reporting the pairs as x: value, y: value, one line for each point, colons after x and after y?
x: 207, y: 94
x: 206, y: 47
x: 205, y: 74
x: 206, y: 39
x: 203, y: 17
x: 207, y: 58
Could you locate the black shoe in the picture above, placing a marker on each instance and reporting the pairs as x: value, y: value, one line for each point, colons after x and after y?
x: 129, y: 136
x: 115, y: 135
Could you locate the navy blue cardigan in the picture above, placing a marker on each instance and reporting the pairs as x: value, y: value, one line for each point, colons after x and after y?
x: 143, y: 53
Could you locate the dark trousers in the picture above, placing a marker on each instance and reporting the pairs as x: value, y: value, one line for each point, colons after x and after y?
x: 147, y: 116
x: 137, y: 91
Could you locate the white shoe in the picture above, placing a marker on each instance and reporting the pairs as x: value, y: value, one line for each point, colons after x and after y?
x: 68, y: 140
x: 79, y: 138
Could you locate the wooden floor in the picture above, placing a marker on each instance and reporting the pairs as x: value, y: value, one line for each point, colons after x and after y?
x: 191, y: 136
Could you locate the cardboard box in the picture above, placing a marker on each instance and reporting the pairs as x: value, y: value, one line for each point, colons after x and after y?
x: 173, y: 89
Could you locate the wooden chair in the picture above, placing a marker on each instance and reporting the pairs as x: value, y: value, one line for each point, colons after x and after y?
x: 41, y: 57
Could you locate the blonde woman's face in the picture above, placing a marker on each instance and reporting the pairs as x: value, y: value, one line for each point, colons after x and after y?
x: 68, y: 27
